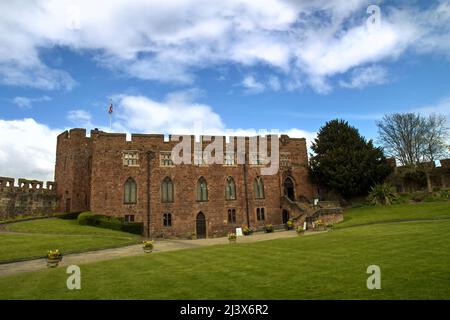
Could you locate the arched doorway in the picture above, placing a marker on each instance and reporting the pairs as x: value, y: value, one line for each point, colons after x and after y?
x: 285, y: 216
x: 289, y: 188
x: 200, y: 226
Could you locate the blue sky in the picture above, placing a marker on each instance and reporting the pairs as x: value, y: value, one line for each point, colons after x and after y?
x: 236, y: 65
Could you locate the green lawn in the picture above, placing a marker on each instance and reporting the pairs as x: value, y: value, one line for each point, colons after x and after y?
x: 34, y: 238
x: 394, y: 213
x: 414, y: 258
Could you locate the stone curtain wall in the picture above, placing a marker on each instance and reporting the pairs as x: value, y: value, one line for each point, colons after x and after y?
x: 440, y: 177
x: 29, y: 198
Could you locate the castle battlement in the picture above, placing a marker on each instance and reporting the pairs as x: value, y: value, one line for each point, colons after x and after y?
x: 26, y: 184
x: 80, y: 134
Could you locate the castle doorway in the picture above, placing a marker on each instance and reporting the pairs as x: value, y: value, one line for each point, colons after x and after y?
x: 200, y: 226
x: 289, y: 188
x: 285, y: 216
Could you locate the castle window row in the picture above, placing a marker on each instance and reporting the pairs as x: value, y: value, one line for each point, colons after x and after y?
x: 167, y: 190
x: 131, y: 158
x: 231, y: 217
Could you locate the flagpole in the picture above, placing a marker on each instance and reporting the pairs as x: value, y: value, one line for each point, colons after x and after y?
x: 110, y: 112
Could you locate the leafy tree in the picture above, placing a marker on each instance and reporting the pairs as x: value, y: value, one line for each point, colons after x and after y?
x: 345, y: 162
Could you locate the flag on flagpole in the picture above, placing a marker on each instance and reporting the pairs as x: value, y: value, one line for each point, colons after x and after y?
x: 110, y: 111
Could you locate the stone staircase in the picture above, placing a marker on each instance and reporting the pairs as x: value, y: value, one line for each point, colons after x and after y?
x: 302, y: 211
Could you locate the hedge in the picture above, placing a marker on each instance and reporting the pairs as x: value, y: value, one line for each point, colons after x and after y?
x: 109, y: 222
x: 68, y: 215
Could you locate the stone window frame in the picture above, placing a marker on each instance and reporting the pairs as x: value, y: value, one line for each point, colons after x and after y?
x: 229, y: 159
x: 164, y: 161
x: 285, y: 159
x: 167, y: 220
x: 130, y: 156
x: 129, y: 218
x: 231, y: 216
x: 230, y: 196
x: 199, y: 159
x: 130, y: 196
x: 256, y: 160
x: 260, y: 214
x: 202, y: 194
x: 258, y: 188
x: 167, y: 183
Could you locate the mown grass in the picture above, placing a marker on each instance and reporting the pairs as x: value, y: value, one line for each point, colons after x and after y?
x: 34, y: 238
x: 395, y: 213
x: 414, y: 259
x: 64, y: 227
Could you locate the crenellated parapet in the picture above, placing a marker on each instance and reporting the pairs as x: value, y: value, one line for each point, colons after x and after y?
x: 27, y: 198
x: 7, y: 183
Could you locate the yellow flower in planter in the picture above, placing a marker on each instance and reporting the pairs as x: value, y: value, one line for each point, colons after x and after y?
x: 232, y: 237
x: 54, y: 255
x: 53, y: 258
x: 148, y: 245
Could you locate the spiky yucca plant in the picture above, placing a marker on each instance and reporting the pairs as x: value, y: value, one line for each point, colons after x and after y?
x: 382, y: 193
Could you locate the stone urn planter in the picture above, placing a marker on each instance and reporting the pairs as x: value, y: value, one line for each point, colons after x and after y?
x: 148, y: 246
x: 300, y: 230
x: 53, y: 258
x: 289, y: 225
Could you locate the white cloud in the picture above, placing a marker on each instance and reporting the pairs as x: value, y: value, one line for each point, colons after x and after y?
x: 252, y: 86
x: 442, y: 107
x: 80, y: 118
x: 25, y: 102
x: 177, y: 114
x: 363, y: 77
x: 315, y: 41
x: 27, y: 149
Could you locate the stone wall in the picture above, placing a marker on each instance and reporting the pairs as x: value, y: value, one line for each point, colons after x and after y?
x: 440, y: 177
x: 29, y: 198
x: 90, y: 174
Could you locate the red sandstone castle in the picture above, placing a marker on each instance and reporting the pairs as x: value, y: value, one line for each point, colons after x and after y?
x: 137, y: 180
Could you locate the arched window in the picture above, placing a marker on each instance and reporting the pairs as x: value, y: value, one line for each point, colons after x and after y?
x: 202, y: 190
x: 130, y: 191
x: 167, y: 190
x: 230, y: 189
x: 258, y: 186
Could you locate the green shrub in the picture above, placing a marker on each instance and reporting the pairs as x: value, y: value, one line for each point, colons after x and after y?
x: 133, y: 227
x: 247, y: 231
x: 444, y: 194
x: 418, y: 197
x: 83, y: 218
x: 110, y: 222
x: 68, y: 215
x: 382, y: 194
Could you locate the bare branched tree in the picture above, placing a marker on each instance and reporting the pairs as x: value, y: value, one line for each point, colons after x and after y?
x: 415, y: 140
